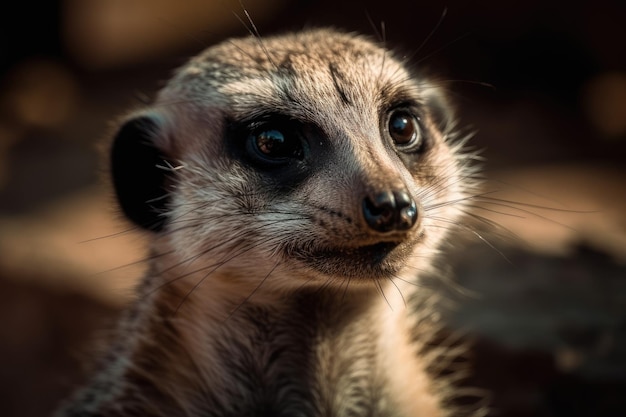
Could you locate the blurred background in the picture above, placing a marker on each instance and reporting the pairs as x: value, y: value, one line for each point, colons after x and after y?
x: 543, y: 85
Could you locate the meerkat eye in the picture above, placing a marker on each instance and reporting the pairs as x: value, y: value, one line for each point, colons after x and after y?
x: 404, y: 129
x: 270, y: 143
x: 273, y: 146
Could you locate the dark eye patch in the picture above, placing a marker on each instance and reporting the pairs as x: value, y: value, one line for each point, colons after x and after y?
x: 282, y: 149
x: 273, y: 145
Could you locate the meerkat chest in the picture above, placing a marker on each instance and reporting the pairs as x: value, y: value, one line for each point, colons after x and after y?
x: 283, y: 365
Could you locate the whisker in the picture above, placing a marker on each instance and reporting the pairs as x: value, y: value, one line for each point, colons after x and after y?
x: 381, y: 291
x: 493, y: 226
x: 112, y: 235
x: 477, y: 234
x: 515, y: 206
x: 447, y: 45
x: 133, y: 263
x: 444, y: 13
x: 391, y: 279
x: 211, y: 271
x: 345, y: 290
x: 254, y: 31
x: 249, y: 296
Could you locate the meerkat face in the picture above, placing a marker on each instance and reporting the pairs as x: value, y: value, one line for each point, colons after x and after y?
x: 316, y: 152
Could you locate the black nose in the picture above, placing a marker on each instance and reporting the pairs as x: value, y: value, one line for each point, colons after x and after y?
x: 390, y: 211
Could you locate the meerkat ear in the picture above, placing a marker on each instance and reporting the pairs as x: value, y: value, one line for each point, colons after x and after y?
x: 139, y: 172
x: 439, y: 109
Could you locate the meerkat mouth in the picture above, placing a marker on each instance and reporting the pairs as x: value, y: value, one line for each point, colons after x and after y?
x: 375, y: 253
x: 378, y: 260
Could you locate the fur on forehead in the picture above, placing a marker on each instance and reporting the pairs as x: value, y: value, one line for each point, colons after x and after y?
x: 253, y: 55
x: 294, y: 72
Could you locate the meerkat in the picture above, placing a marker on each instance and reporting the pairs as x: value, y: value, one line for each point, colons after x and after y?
x: 295, y: 189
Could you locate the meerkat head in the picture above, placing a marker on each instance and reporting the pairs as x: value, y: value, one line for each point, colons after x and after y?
x: 315, y: 152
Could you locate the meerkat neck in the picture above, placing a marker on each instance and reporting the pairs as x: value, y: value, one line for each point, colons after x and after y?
x: 307, y: 338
